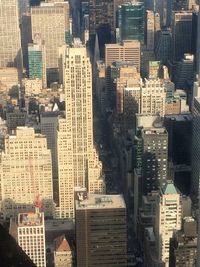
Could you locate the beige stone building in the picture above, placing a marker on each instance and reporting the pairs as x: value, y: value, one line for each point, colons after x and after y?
x: 78, y: 162
x: 10, y: 40
x: 125, y: 51
x: 9, y: 79
x: 50, y: 23
x: 32, y: 86
x: 153, y: 97
x: 25, y: 173
x: 62, y: 252
x: 128, y: 79
x: 168, y: 214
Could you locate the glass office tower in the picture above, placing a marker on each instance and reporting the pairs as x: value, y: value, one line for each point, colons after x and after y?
x: 131, y: 21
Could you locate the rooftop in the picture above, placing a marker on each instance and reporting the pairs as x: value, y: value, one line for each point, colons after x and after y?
x: 169, y: 189
x: 180, y: 117
x: 61, y: 244
x: 30, y: 219
x: 155, y: 131
x: 59, y: 225
x: 96, y: 201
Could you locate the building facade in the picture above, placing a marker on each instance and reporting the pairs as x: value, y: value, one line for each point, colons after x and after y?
x: 181, y: 33
x: 78, y: 162
x: 62, y: 252
x: 131, y: 21
x: 10, y: 40
x: 101, y: 235
x: 37, y: 62
x: 154, y: 159
x: 195, y: 181
x: 101, y: 13
x: 168, y: 219
x: 153, y: 97
x: 31, y: 236
x: 125, y: 51
x: 150, y: 29
x: 50, y: 24
x: 26, y: 173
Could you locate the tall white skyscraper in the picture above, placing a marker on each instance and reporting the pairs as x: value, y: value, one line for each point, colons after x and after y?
x: 78, y: 162
x: 25, y: 173
x: 10, y: 41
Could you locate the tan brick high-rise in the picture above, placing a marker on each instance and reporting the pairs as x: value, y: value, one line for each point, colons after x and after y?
x: 10, y: 41
x: 78, y: 163
x: 25, y: 173
x: 50, y: 23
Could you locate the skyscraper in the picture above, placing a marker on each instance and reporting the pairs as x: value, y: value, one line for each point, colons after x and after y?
x: 78, y: 163
x: 10, y: 42
x: 23, y: 6
x: 101, y: 235
x: 168, y: 219
x: 37, y: 62
x: 25, y: 172
x: 101, y: 13
x: 30, y: 235
x: 153, y: 97
x: 50, y: 23
x: 183, y: 245
x: 150, y: 28
x: 181, y: 33
x: 131, y: 21
x: 195, y: 182
x: 154, y: 159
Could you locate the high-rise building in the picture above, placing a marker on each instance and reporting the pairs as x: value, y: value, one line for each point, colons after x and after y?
x: 150, y: 29
x: 196, y: 38
x: 154, y: 158
x: 163, y: 45
x: 153, y: 97
x: 10, y: 42
x: 181, y: 33
x: 191, y: 3
x: 26, y: 37
x: 50, y: 23
x: 195, y: 182
x: 101, y: 234
x: 184, y: 72
x: 183, y: 245
x: 131, y: 21
x: 125, y: 51
x: 128, y: 77
x: 37, y: 62
x: 78, y: 162
x: 26, y: 173
x: 101, y: 13
x: 49, y: 125
x: 23, y: 6
x: 29, y: 232
x: 168, y: 219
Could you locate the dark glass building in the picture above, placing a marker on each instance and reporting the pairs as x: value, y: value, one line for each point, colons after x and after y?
x: 131, y: 21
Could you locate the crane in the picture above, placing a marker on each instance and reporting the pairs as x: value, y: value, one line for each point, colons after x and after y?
x: 36, y: 201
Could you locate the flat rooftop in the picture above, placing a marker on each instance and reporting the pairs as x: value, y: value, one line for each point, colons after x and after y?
x: 155, y: 131
x: 59, y: 225
x: 96, y: 201
x: 30, y: 219
x: 180, y: 117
